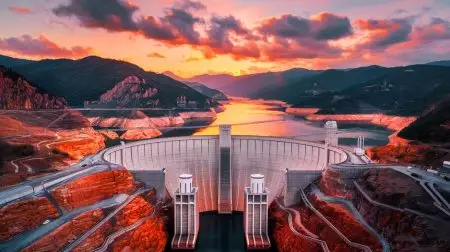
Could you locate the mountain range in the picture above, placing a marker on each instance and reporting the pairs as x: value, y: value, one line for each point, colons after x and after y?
x: 369, y: 89
x: 88, y: 78
x: 252, y: 85
x: 400, y: 91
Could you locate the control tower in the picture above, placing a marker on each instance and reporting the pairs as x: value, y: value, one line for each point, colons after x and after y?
x: 186, y: 218
x: 331, y: 137
x: 255, y: 214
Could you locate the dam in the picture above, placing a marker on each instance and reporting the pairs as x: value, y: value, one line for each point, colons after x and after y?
x: 220, y: 166
x: 219, y: 169
x: 201, y: 157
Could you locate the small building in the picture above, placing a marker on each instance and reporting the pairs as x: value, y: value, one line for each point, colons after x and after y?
x: 256, y: 214
x: 186, y: 218
x: 192, y: 104
x: 181, y: 102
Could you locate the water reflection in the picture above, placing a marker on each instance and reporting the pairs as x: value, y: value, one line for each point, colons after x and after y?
x: 286, y: 125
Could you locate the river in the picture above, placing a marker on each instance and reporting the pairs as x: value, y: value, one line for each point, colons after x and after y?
x: 267, y: 118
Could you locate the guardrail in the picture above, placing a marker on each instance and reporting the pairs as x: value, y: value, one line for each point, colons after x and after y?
x: 334, y: 228
x: 39, y: 185
x: 374, y: 202
x: 103, y: 221
x: 133, y: 226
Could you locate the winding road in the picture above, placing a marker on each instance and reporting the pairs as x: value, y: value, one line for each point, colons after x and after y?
x: 350, y: 207
x: 314, y: 238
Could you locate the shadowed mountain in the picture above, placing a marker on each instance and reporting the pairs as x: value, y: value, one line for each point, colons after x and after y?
x: 326, y: 81
x: 402, y: 91
x: 88, y: 78
x: 440, y: 63
x: 210, y: 92
x: 252, y: 85
x: 433, y: 126
x: 10, y: 62
x: 206, y: 90
x: 17, y: 93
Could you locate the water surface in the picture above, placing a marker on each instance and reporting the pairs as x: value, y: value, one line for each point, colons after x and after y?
x: 266, y: 118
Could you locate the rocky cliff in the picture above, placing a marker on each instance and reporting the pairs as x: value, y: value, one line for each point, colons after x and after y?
x: 301, y: 111
x: 93, y: 188
x: 408, y: 153
x: 286, y: 240
x: 18, y: 93
x: 129, y: 93
x: 96, y: 239
x: 404, y: 231
x: 140, y: 125
x: 38, y: 143
x: 150, y: 235
x: 391, y: 122
x: 59, y: 238
x: 25, y: 215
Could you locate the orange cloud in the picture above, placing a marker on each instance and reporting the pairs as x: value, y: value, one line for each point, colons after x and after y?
x: 20, y: 9
x: 155, y: 55
x: 385, y: 33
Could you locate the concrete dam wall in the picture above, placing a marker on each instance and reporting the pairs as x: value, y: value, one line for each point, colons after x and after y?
x: 200, y: 156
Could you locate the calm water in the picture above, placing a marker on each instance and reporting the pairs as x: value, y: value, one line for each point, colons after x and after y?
x: 275, y: 122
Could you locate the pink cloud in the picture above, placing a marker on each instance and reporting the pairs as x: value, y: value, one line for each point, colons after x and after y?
x: 41, y: 47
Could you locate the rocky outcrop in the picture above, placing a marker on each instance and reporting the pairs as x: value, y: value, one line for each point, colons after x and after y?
x: 47, y: 142
x: 149, y: 236
x: 96, y: 239
x: 317, y: 226
x: 93, y: 188
x: 394, y: 188
x: 301, y: 111
x: 66, y: 233
x: 139, y: 125
x: 407, y: 153
x: 341, y: 218
x: 286, y: 240
x: 25, y: 215
x: 391, y: 122
x: 109, y: 134
x: 131, y: 92
x: 138, y: 208
x: 404, y: 231
x: 204, y: 117
x: 17, y: 93
x: 86, y: 142
x: 332, y: 184
x: 140, y: 134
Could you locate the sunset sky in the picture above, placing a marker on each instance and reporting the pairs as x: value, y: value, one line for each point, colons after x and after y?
x: 233, y: 36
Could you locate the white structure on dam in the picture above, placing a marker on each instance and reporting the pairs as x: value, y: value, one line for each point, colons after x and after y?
x: 186, y: 219
x: 221, y: 186
x: 256, y: 213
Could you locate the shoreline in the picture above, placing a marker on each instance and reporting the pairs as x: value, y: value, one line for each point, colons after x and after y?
x: 392, y: 122
x: 143, y: 126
